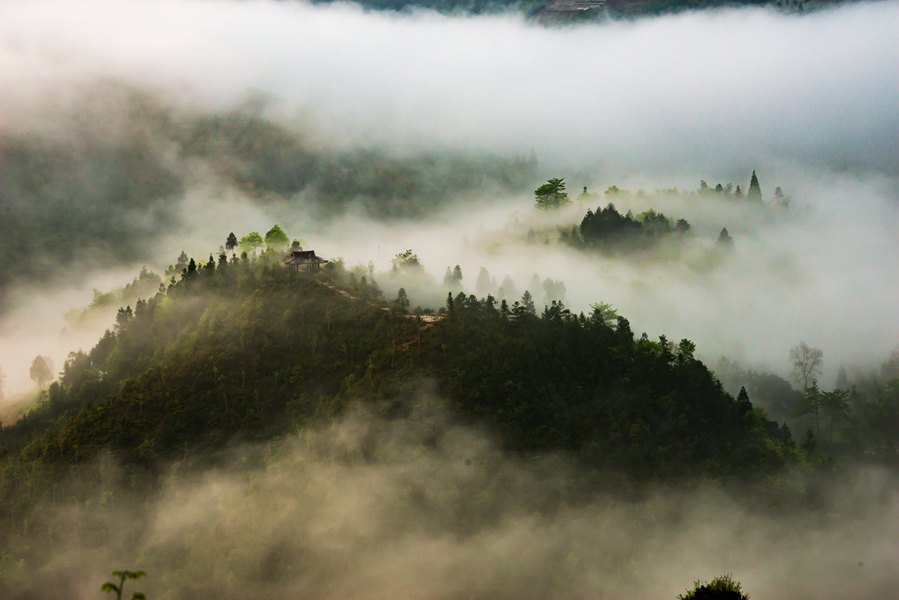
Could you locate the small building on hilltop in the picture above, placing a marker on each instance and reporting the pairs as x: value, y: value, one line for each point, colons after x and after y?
x: 303, y: 260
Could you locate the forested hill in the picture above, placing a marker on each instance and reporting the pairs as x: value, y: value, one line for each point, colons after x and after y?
x: 555, y: 10
x: 245, y: 350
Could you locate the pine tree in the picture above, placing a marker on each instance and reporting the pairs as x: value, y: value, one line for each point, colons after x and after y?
x: 755, y: 191
x: 724, y: 240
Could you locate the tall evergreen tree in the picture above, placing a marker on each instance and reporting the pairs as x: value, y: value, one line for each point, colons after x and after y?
x: 755, y: 191
x: 231, y: 242
x: 724, y: 240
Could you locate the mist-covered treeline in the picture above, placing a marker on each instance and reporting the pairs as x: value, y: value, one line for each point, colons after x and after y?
x: 234, y: 347
x: 239, y: 353
x: 110, y: 186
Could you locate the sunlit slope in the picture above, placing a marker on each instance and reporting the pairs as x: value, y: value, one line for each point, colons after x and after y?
x: 246, y: 350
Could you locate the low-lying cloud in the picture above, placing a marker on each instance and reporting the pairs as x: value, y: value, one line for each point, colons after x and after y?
x: 718, y: 92
x: 424, y: 507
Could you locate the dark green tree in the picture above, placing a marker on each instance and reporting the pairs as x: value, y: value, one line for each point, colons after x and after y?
x: 276, y: 239
x: 755, y: 191
x: 811, y: 405
x: 119, y: 589
x: 551, y: 194
x: 719, y: 588
x: 527, y: 304
x: 231, y: 242
x: 402, y: 300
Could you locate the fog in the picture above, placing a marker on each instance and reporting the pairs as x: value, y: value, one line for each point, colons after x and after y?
x: 101, y: 173
x: 423, y: 507
x: 714, y: 92
x: 654, y: 103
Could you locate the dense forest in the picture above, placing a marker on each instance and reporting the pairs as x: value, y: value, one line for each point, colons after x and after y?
x: 241, y: 347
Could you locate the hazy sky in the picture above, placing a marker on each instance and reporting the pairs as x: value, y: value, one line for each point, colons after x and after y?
x: 717, y: 92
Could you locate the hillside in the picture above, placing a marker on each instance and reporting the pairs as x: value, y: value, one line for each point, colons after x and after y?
x: 245, y: 349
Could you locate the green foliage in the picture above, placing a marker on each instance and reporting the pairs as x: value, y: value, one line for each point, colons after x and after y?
x: 551, y: 194
x: 145, y: 284
x: 250, y: 242
x: 608, y: 230
x: 408, y: 260
x: 276, y: 239
x: 119, y: 589
x: 719, y: 588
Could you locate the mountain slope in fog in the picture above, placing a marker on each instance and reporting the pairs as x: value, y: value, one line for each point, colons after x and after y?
x: 246, y: 349
x: 103, y: 182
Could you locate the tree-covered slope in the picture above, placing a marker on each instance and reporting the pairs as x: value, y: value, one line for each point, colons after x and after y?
x: 246, y: 350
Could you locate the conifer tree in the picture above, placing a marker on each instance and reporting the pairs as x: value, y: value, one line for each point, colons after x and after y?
x: 724, y: 240
x: 755, y: 191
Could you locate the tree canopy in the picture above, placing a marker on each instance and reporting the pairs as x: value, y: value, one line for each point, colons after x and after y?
x: 276, y: 239
x: 551, y: 194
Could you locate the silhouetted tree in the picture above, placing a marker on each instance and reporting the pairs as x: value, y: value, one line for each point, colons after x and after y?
x: 231, y: 242
x: 719, y: 588
x: 119, y: 588
x: 41, y: 371
x: 527, y: 305
x: 402, y: 300
x: 811, y: 404
x: 806, y: 363
x: 551, y: 194
x: 755, y: 191
x: 405, y: 261
x: 724, y: 240
x: 276, y: 239
x: 448, y: 280
x: 457, y: 275
x: 181, y: 264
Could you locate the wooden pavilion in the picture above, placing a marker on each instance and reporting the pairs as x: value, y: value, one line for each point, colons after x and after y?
x: 303, y: 260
